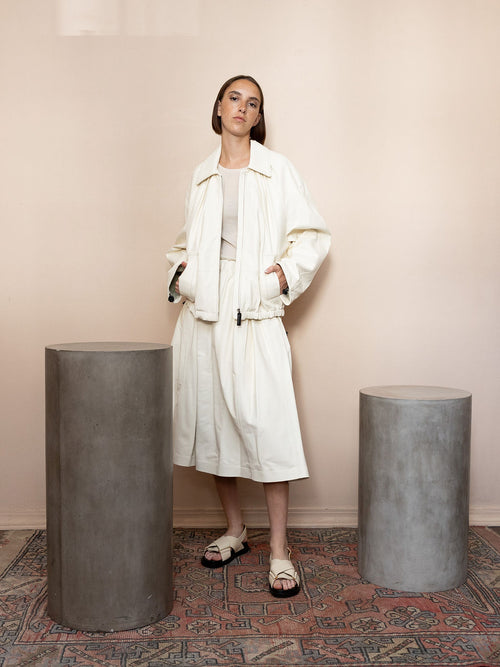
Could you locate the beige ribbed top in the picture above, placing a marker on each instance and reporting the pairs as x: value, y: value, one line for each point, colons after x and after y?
x: 229, y: 234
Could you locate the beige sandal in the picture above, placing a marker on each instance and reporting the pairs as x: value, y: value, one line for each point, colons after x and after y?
x: 283, y: 569
x: 229, y: 548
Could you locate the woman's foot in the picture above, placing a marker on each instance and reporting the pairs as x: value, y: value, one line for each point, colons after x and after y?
x: 284, y: 580
x: 226, y: 548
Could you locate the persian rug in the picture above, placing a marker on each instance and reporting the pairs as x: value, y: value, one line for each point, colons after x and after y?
x: 228, y: 617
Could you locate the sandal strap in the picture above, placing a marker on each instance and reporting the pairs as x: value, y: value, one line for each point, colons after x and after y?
x: 226, y: 544
x: 282, y: 569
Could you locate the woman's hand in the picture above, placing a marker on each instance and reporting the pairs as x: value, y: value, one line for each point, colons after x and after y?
x: 183, y: 264
x: 276, y: 268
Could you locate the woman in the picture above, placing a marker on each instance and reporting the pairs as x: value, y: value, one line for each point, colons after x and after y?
x: 251, y: 244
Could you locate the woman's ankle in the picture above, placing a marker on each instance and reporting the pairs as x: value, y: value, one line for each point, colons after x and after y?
x: 279, y: 548
x: 235, y: 529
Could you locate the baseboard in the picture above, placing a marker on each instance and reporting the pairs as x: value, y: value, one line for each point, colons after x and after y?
x: 299, y: 517
x: 23, y: 519
x: 308, y: 517
x: 257, y: 518
x: 484, y: 516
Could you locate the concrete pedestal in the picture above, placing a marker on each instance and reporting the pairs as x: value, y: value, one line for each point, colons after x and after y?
x: 109, y: 484
x: 414, y: 486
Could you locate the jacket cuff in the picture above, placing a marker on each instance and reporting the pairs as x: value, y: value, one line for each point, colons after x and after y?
x: 285, y: 297
x: 172, y: 277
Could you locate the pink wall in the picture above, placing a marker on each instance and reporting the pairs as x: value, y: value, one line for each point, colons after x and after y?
x: 390, y: 111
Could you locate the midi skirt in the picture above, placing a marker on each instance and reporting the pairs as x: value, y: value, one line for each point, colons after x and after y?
x: 234, y: 405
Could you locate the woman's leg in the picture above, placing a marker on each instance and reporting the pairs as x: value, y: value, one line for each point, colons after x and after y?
x: 227, y: 488
x: 277, y: 508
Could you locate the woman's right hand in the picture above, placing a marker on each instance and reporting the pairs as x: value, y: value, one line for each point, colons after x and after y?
x: 183, y: 264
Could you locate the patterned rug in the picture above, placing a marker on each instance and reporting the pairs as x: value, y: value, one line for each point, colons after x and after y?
x: 227, y: 617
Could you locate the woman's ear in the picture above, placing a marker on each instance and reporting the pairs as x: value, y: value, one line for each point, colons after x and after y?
x: 218, y: 108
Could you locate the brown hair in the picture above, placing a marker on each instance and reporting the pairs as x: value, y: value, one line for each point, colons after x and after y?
x: 259, y: 131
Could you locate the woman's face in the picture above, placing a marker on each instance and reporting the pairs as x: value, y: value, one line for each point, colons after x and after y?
x: 239, y: 108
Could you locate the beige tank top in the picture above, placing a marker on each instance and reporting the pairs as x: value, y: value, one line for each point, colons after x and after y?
x: 229, y: 234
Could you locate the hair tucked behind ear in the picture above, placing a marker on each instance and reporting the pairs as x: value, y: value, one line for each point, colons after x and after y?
x: 258, y: 132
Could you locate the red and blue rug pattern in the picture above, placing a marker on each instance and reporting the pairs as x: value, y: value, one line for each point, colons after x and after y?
x: 227, y: 616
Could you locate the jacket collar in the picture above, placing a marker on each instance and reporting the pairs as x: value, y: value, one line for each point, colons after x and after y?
x: 259, y: 161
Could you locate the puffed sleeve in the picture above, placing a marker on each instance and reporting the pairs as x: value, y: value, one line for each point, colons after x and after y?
x: 307, y: 237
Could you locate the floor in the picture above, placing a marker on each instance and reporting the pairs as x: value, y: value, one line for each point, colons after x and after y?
x: 227, y: 617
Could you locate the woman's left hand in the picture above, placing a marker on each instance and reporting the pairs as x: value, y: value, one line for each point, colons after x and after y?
x: 276, y: 268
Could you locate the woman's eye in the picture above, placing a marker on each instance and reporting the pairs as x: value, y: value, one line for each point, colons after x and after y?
x: 233, y: 98
x: 253, y: 105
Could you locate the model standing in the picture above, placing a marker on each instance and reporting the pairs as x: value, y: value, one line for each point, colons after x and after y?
x: 251, y: 244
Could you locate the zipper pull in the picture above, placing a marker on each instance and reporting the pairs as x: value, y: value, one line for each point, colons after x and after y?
x: 238, y: 318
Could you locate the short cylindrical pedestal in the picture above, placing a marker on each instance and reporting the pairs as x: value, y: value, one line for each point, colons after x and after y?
x: 414, y: 487
x: 109, y: 484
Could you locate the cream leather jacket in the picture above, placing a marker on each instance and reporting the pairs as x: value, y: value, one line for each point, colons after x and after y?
x: 277, y: 223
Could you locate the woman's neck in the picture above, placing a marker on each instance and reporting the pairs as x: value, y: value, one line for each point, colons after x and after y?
x: 235, y: 152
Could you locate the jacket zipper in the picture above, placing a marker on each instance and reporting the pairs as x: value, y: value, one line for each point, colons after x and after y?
x: 241, y: 189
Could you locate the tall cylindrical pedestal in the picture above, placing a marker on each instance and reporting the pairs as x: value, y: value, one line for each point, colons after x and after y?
x: 109, y: 484
x: 414, y: 486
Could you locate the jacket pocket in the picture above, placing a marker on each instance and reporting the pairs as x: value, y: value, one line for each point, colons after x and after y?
x: 187, y: 279
x: 269, y: 286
